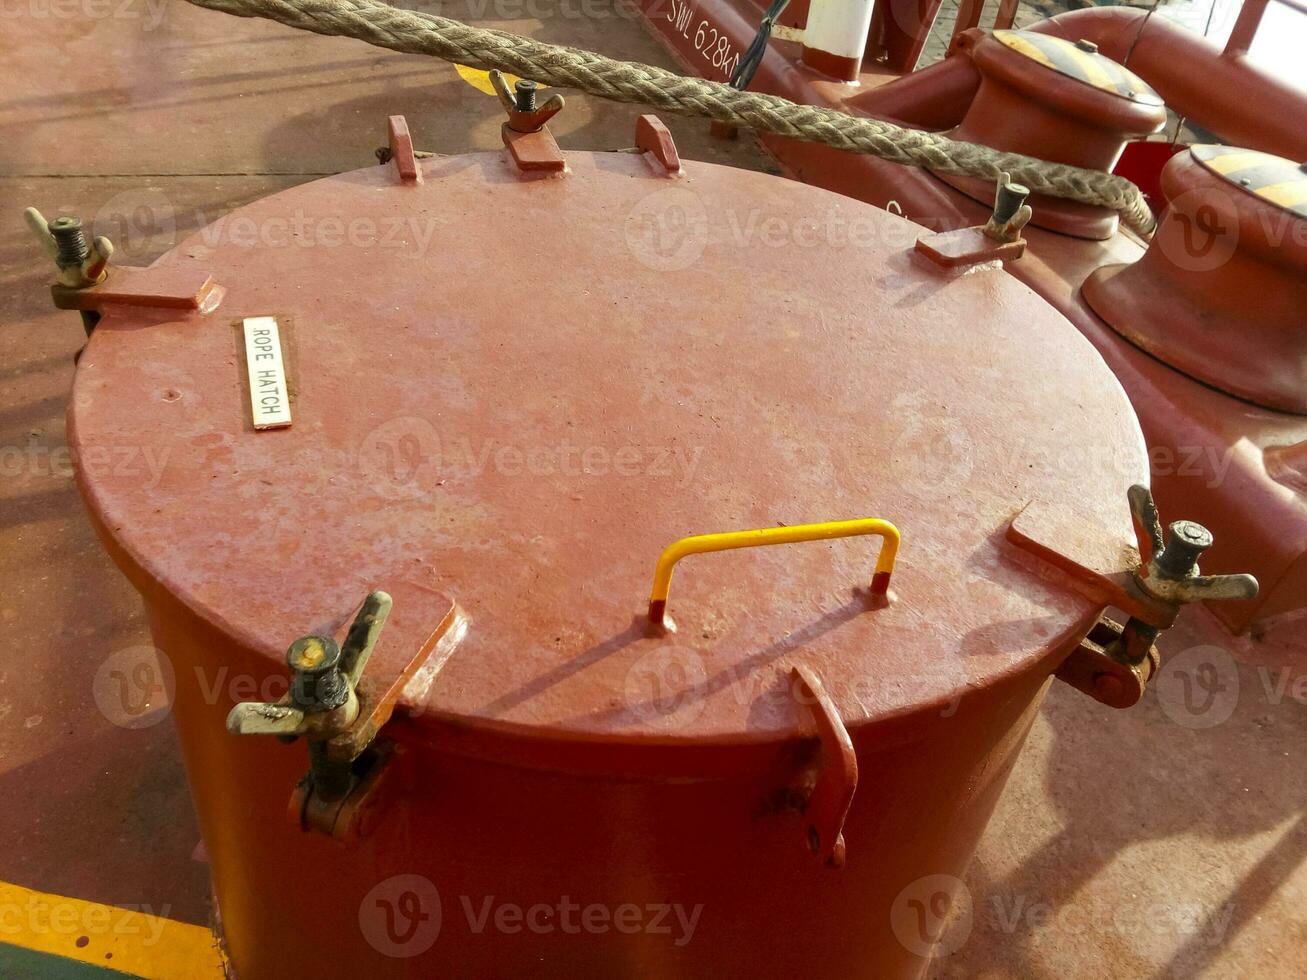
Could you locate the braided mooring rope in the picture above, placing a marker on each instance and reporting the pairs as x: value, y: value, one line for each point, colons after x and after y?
x: 625, y: 81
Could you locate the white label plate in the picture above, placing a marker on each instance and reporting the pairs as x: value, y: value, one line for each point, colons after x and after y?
x: 269, y: 399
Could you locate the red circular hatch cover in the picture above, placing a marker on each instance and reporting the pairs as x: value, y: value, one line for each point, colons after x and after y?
x: 515, y: 393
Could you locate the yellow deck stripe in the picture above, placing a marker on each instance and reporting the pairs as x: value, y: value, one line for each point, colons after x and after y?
x: 1287, y: 195
x: 145, y: 945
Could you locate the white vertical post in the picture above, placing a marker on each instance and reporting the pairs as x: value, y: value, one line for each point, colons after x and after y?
x: 836, y: 37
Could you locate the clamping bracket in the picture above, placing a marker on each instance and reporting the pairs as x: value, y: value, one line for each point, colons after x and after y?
x: 525, y: 135
x: 339, y: 711
x: 86, y: 283
x: 1149, y: 583
x: 835, y: 775
x: 998, y: 239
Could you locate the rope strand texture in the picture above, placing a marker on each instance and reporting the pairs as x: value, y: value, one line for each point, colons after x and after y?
x: 623, y: 81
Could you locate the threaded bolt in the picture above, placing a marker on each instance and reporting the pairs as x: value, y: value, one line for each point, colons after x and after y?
x: 526, y: 95
x: 70, y: 238
x: 319, y: 684
x: 1180, y: 556
x: 1008, y: 201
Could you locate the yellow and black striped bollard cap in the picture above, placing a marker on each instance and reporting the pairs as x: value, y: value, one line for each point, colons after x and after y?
x: 1273, y: 179
x: 1079, y: 60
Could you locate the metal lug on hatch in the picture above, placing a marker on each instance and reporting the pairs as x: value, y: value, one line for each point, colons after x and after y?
x: 399, y: 150
x: 321, y: 706
x: 654, y: 138
x: 1115, y: 662
x: 836, y: 774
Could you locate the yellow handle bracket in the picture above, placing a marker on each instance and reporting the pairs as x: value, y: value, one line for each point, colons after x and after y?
x: 699, y: 544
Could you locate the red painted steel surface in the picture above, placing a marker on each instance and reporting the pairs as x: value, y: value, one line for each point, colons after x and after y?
x: 561, y: 751
x: 1221, y: 293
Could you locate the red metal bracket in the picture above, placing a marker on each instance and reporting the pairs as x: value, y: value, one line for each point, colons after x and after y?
x: 837, y: 777
x: 1149, y: 583
x: 967, y: 246
x: 654, y: 138
x: 166, y: 286
x: 535, y: 152
x: 353, y: 818
x: 533, y: 148
x: 1093, y: 669
x: 401, y: 151
x: 1103, y: 572
x: 379, y: 689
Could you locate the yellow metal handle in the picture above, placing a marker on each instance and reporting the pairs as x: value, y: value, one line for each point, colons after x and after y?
x: 699, y: 544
